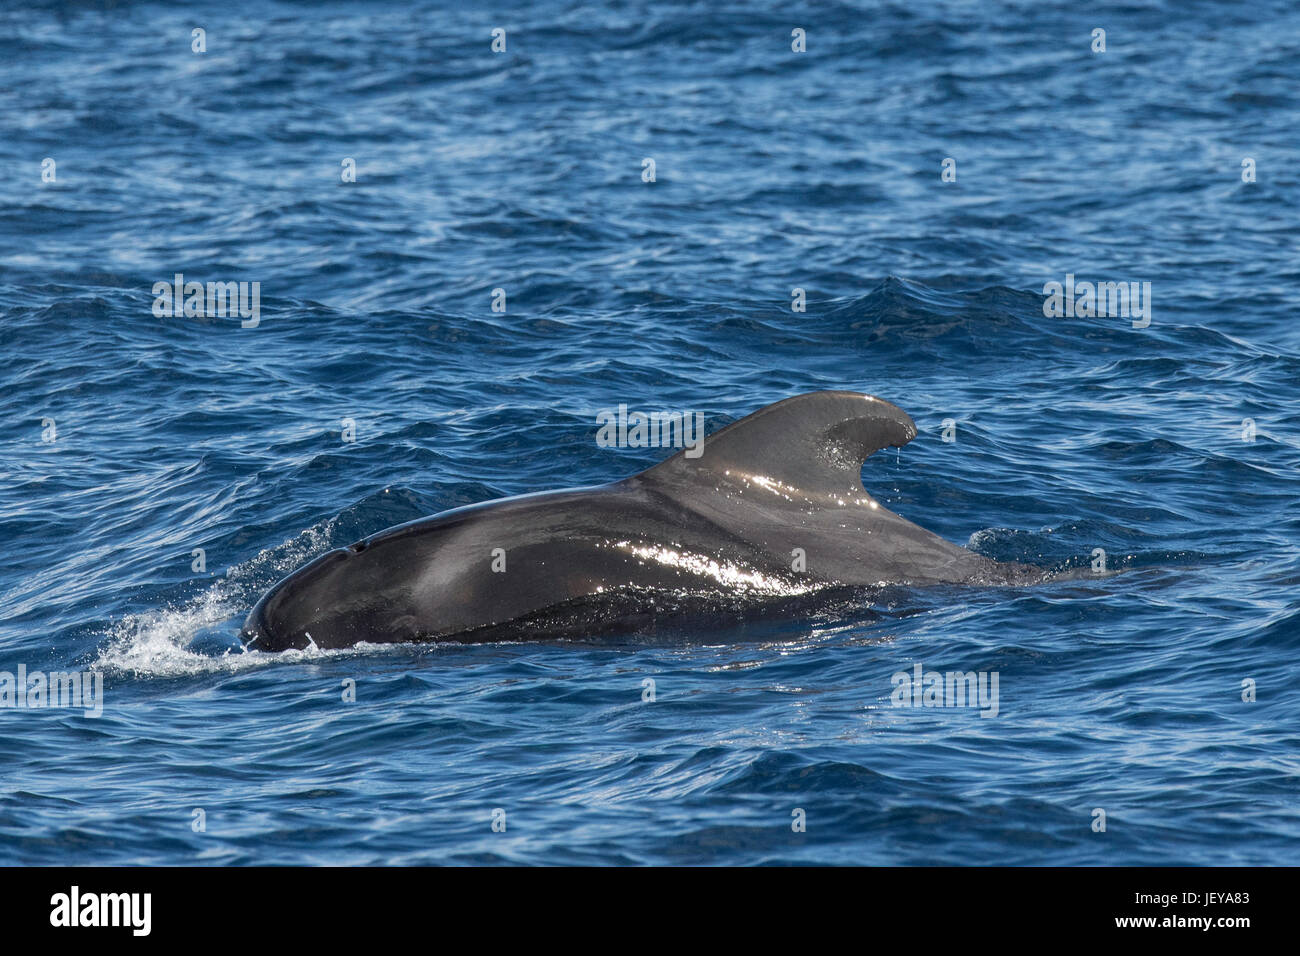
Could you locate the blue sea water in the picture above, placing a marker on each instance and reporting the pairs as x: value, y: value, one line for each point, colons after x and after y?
x: 774, y: 170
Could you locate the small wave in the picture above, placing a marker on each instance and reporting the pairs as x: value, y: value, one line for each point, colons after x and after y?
x: 200, y: 636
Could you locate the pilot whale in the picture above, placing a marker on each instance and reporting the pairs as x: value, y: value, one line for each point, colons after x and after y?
x: 774, y: 506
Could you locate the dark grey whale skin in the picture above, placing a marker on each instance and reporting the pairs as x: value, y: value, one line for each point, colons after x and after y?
x: 728, y: 522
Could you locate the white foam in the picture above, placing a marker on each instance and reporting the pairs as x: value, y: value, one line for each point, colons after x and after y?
x: 158, y: 643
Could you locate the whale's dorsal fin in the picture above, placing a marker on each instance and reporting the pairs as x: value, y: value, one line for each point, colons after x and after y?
x: 812, y: 442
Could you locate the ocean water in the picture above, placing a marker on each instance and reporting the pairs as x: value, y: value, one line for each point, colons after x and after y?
x: 132, y: 440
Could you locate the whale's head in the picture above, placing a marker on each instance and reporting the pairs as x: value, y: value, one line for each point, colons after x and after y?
x: 343, y: 597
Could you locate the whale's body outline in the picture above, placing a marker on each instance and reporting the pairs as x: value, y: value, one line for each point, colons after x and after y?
x: 773, y: 507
